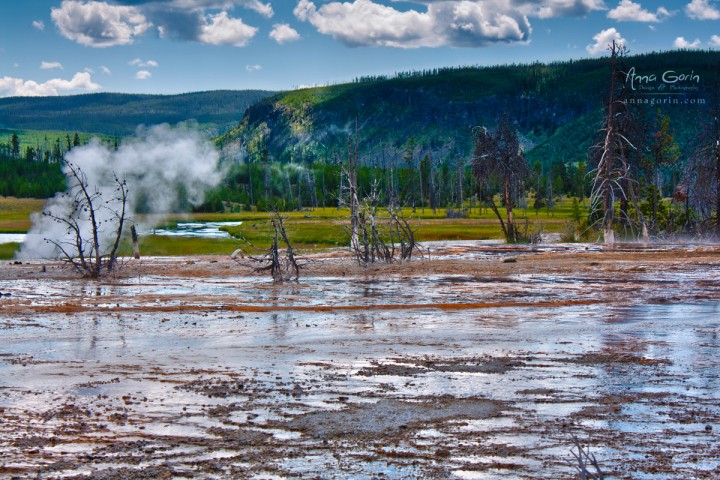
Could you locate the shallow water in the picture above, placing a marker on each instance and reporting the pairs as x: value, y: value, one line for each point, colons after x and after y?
x: 12, y: 238
x: 518, y: 363
x: 195, y: 230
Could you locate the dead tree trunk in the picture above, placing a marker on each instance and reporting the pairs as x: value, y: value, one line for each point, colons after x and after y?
x: 351, y: 175
x: 716, y: 145
x: 507, y: 193
x: 86, y: 245
x: 135, y: 245
x: 611, y: 157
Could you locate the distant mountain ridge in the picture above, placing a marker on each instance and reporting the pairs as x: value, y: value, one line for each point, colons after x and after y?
x: 557, y: 106
x: 121, y: 113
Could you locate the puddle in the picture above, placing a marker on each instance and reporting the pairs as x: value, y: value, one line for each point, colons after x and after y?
x: 195, y: 230
x: 12, y: 237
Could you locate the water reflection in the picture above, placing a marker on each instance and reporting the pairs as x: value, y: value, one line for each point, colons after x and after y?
x: 196, y: 230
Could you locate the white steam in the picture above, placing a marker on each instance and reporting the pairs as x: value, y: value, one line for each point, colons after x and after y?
x: 165, y: 167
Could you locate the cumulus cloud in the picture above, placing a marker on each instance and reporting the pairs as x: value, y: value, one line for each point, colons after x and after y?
x: 283, y: 33
x: 51, y: 65
x: 17, y: 87
x: 559, y: 8
x: 629, y: 11
x: 702, y: 10
x: 99, y: 24
x: 253, y: 68
x: 194, y: 20
x: 714, y: 41
x: 458, y: 23
x: 222, y: 29
x: 139, y: 63
x: 603, y: 40
x: 680, y: 42
x: 38, y: 24
x: 264, y: 9
x: 142, y: 75
x: 194, y: 25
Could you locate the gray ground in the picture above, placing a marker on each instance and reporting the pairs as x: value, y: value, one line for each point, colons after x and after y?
x: 461, y: 366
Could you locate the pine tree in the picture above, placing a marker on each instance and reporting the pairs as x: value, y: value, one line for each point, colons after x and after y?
x: 15, y: 146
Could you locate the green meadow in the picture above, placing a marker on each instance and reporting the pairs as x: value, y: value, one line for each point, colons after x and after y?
x: 308, y: 230
x: 15, y: 213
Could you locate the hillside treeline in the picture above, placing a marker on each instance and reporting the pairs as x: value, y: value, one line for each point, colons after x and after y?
x: 121, y: 113
x: 33, y: 171
x: 413, y: 182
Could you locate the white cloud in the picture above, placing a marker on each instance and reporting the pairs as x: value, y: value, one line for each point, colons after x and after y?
x: 364, y: 22
x: 51, y: 65
x: 283, y: 33
x: 88, y: 70
x: 225, y: 30
x: 98, y: 24
x: 461, y: 23
x: 139, y: 63
x: 39, y: 24
x: 452, y: 22
x: 702, y: 10
x: 16, y: 87
x: 143, y: 75
x: 714, y: 41
x: 629, y: 11
x: 558, y: 8
x: 253, y: 68
x: 680, y: 42
x: 603, y: 40
x: 264, y: 9
x: 105, y: 70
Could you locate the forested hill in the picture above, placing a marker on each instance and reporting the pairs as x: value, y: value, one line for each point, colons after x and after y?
x: 557, y: 106
x: 120, y: 114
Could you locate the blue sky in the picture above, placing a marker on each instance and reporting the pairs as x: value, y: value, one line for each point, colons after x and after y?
x: 56, y: 47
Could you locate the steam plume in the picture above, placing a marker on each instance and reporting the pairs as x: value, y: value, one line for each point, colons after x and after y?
x: 164, y: 167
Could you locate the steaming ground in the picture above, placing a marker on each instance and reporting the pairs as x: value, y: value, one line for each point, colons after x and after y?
x: 163, y: 166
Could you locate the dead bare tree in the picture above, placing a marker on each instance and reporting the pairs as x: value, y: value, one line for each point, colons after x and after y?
x: 373, y: 238
x: 93, y: 223
x: 386, y: 237
x: 350, y: 171
x: 702, y: 174
x: 280, y: 262
x: 610, y: 156
x: 497, y: 157
x: 402, y: 234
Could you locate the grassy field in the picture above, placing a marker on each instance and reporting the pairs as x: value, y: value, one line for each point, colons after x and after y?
x: 308, y: 230
x: 15, y: 213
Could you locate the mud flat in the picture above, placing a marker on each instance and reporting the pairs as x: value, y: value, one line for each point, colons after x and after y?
x: 480, y: 362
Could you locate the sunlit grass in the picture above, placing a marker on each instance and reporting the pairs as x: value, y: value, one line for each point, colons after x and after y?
x: 7, y: 250
x: 163, y: 245
x: 308, y: 230
x: 15, y: 213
